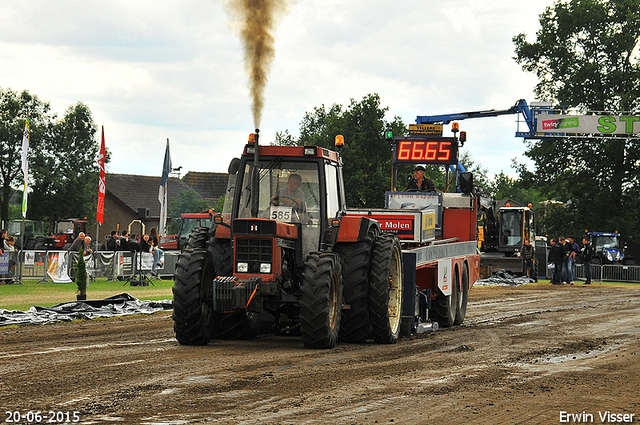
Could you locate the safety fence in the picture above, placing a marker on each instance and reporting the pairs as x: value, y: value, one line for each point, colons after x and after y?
x: 60, y: 266
x: 603, y: 272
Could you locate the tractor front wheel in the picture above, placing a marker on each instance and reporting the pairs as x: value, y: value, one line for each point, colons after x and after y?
x: 321, y: 300
x: 192, y: 293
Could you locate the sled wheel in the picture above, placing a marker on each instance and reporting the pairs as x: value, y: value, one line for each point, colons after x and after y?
x: 463, y: 295
x: 444, y: 308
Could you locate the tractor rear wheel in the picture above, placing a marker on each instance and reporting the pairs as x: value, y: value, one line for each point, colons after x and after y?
x: 193, y: 292
x: 356, y: 262
x: 444, y: 308
x: 321, y: 300
x: 385, y: 289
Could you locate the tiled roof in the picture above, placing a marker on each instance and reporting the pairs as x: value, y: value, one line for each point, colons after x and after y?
x: 211, y: 186
x: 137, y: 191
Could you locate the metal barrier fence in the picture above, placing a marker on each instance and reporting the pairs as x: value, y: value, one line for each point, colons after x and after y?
x: 604, y: 273
x: 59, y: 266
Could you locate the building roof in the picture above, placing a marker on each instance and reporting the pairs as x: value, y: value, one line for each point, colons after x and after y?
x: 211, y: 186
x: 135, y: 191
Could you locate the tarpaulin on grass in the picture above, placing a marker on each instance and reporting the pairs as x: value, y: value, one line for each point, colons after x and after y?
x: 504, y: 277
x: 117, y: 305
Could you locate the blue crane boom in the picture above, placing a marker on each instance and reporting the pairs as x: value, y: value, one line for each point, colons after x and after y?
x: 528, y: 113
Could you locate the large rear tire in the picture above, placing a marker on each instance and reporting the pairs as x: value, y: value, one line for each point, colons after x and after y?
x: 385, y: 289
x: 444, y: 308
x: 321, y: 300
x: 356, y: 262
x: 193, y: 292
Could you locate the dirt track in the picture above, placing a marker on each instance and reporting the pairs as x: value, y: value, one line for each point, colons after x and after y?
x: 523, y: 355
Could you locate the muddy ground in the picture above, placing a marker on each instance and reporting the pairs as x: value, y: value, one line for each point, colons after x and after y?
x: 524, y: 355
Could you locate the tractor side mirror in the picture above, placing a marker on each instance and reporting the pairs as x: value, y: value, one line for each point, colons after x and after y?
x: 234, y: 166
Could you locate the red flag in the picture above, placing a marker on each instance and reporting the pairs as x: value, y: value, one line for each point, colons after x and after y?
x: 101, y: 182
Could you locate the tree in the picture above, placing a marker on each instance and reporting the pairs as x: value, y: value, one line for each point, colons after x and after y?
x: 14, y: 109
x: 585, y: 57
x: 366, y: 154
x: 65, y: 169
x: 188, y: 201
x: 585, y: 54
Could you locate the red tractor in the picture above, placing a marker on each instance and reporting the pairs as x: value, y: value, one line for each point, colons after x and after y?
x: 66, y: 231
x: 297, y: 257
x: 188, y: 222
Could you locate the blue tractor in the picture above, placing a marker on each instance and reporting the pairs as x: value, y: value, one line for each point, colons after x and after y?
x: 609, y: 249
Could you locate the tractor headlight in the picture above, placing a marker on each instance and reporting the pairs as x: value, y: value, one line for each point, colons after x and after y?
x: 609, y: 256
x: 242, y: 267
x: 265, y: 267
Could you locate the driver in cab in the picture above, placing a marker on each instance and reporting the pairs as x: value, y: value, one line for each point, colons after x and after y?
x: 291, y: 195
x: 419, y: 182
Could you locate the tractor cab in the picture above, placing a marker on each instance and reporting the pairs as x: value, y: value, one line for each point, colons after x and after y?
x: 285, y: 185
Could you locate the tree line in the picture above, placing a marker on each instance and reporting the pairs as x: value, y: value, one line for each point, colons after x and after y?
x: 63, y: 171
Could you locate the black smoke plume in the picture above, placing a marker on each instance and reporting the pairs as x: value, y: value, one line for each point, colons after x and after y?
x: 257, y: 20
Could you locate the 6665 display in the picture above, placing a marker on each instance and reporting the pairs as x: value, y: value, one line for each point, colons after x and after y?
x: 425, y: 150
x: 39, y: 417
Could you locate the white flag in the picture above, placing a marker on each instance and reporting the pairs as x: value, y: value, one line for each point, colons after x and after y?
x: 25, y: 166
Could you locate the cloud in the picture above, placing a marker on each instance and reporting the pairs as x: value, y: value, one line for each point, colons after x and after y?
x: 152, y: 70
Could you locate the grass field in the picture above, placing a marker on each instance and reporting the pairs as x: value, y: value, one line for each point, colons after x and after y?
x: 21, y: 297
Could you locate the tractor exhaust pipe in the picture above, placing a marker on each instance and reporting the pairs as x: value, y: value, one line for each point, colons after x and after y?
x: 255, y: 177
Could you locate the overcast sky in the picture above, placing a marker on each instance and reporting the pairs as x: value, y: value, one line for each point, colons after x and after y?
x: 156, y: 69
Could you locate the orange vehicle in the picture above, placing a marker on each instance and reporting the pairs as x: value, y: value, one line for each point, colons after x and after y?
x: 287, y: 250
x: 188, y: 222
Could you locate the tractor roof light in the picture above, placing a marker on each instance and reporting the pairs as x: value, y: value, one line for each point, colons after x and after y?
x: 310, y: 150
x: 252, y: 138
x: 455, y: 127
x: 339, y: 141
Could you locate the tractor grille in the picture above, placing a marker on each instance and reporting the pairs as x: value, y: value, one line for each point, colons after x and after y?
x: 254, y: 252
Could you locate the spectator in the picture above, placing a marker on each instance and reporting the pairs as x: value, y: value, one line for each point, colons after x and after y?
x: 528, y: 257
x: 157, y: 252
x: 587, y: 255
x: 567, y: 274
x: 124, y: 241
x: 9, y: 248
x: 87, y: 245
x: 556, y: 257
x: 113, y: 241
x: 77, y: 243
x: 145, y: 244
x: 3, y: 235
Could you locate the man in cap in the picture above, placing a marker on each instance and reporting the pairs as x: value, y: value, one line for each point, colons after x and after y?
x: 419, y: 182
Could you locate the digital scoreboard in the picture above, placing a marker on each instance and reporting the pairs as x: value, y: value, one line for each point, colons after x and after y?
x: 425, y: 150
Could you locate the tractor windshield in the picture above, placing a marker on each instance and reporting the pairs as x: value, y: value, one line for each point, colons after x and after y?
x: 288, y: 191
x: 511, y: 228
x: 607, y: 242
